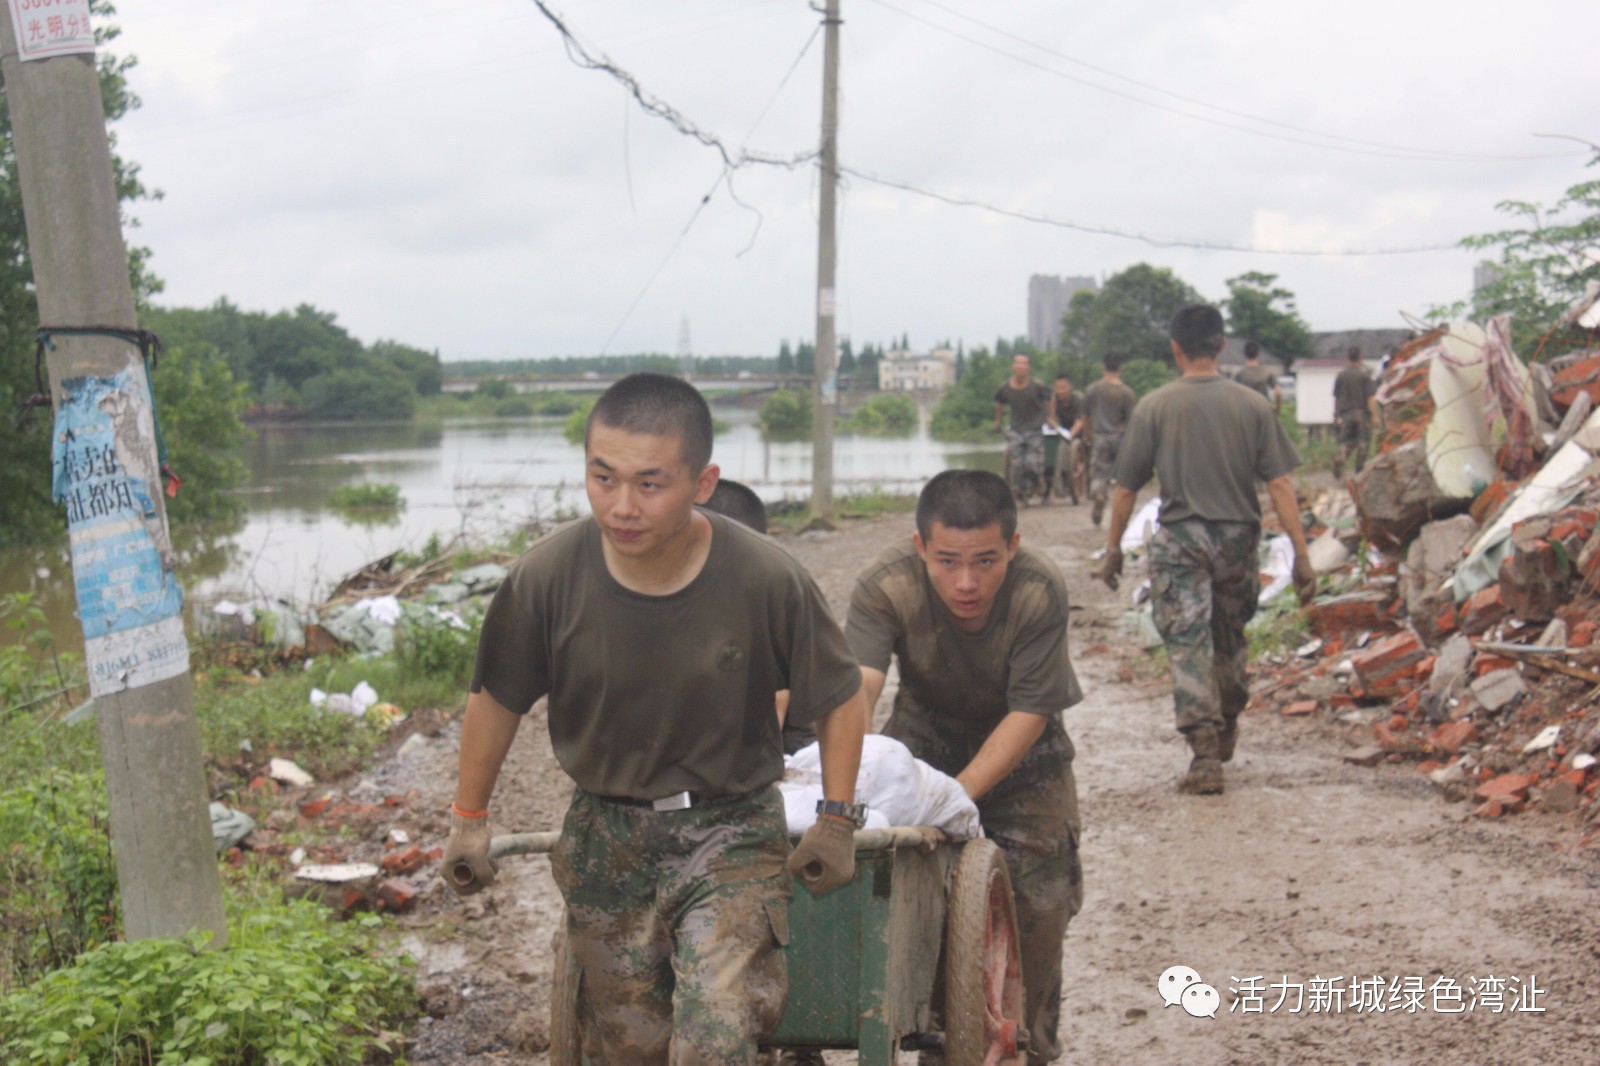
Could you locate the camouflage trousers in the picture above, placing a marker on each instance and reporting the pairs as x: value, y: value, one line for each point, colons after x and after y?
x: 1355, y: 443
x: 678, y: 920
x: 1033, y: 817
x: 1103, y: 463
x: 1025, y: 461
x: 1204, y: 580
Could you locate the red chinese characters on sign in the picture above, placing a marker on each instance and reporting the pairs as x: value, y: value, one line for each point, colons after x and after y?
x: 48, y: 28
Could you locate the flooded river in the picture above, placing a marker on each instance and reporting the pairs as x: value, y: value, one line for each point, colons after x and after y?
x: 474, y: 479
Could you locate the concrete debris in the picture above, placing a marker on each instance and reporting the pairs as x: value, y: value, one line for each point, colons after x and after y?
x: 286, y: 772
x: 1467, y: 647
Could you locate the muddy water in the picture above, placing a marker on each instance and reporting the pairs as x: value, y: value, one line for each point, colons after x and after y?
x: 1306, y: 870
x: 477, y: 478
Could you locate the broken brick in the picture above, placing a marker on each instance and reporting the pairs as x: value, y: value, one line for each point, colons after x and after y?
x: 396, y: 896
x: 1299, y: 708
x: 1425, y: 667
x: 403, y: 862
x: 1581, y: 635
x: 1495, y: 494
x: 314, y: 808
x: 1353, y: 612
x: 1482, y: 610
x: 1535, y: 580
x: 1492, y: 808
x: 1368, y: 756
x: 1488, y: 664
x: 1581, y: 376
x: 1386, y: 666
x: 1508, y: 787
x: 1451, y: 737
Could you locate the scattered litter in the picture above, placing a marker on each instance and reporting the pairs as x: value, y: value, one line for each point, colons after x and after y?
x: 1544, y: 741
x: 337, y: 873
x: 286, y: 772
x: 229, y: 826
x: 354, y: 703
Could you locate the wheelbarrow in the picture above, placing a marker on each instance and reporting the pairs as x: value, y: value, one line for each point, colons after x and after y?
x: 918, y: 952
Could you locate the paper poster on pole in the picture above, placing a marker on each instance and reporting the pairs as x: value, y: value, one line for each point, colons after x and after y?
x: 129, y: 599
x: 49, y: 28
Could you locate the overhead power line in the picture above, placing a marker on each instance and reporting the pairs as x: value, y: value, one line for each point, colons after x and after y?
x: 1351, y: 145
x: 1111, y: 231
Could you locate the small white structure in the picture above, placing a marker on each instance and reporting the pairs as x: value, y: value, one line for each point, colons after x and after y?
x: 1313, y: 388
x: 901, y: 370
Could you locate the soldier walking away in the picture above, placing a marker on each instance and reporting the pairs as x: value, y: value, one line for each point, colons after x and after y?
x: 1070, y: 419
x: 1109, y: 404
x: 978, y: 623
x: 1353, y: 393
x: 1255, y: 376
x: 1208, y: 442
x: 661, y: 633
x: 1031, y: 407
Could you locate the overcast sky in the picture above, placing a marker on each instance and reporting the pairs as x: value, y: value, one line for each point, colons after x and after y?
x: 439, y: 172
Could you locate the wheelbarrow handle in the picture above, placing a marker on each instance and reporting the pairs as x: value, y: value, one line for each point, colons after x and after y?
x: 503, y: 845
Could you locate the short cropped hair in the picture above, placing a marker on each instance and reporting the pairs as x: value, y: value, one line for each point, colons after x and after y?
x: 1112, y: 361
x: 740, y: 503
x: 1252, y: 350
x: 1354, y: 354
x: 661, y: 406
x: 1064, y: 377
x: 966, y: 499
x: 1197, y: 330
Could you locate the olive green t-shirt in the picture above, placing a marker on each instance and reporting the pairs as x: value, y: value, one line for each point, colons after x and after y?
x: 1030, y: 405
x: 653, y: 695
x: 1259, y: 378
x: 1017, y: 662
x: 1352, y: 389
x: 1210, y: 442
x: 1110, y: 404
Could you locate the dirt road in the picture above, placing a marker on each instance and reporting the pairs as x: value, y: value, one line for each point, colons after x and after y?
x: 1307, y: 876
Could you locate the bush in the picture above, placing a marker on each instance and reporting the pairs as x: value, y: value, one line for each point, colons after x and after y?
x: 494, y: 388
x: 892, y: 414
x: 786, y: 416
x: 293, y: 987
x: 513, y: 408
x: 577, y: 422
x: 436, y: 648
x: 58, y: 881
x: 359, y: 396
x: 367, y: 494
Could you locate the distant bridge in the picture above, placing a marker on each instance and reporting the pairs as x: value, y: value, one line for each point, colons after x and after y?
x: 599, y: 382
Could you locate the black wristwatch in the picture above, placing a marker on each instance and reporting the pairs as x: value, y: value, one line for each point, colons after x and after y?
x: 856, y: 812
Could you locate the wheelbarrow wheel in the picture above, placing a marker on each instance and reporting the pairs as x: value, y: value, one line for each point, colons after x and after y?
x: 566, y: 1049
x: 983, y: 963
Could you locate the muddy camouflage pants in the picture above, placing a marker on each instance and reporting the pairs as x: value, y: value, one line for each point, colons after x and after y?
x: 1033, y: 817
x: 1103, y: 463
x: 1204, y: 580
x: 678, y: 921
x: 1025, y: 452
x: 1355, y: 442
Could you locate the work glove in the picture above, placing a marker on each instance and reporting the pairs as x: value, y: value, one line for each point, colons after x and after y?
x: 1110, y: 568
x: 467, y: 868
x: 1305, y: 579
x: 825, y: 858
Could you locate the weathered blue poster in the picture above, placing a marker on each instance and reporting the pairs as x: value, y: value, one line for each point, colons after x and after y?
x: 104, y: 472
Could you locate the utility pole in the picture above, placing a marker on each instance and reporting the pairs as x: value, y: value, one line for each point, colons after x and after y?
x: 824, y: 386
x: 106, y: 471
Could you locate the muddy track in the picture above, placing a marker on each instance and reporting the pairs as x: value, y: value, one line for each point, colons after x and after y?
x: 1306, y: 870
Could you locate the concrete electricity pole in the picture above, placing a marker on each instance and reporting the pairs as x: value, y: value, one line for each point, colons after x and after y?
x: 824, y: 388
x: 106, y: 471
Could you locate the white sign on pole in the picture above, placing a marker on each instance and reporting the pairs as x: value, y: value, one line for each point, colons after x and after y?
x: 48, y: 28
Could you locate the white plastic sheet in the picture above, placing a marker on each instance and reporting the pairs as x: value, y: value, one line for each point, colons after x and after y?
x: 898, y: 789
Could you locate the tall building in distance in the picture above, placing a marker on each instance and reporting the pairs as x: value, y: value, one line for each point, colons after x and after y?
x: 1485, y: 274
x: 1048, y: 296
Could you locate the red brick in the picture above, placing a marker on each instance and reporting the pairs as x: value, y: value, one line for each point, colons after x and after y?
x: 1341, y: 701
x: 315, y: 808
x: 1507, y: 787
x: 403, y: 862
x: 1581, y: 635
x: 262, y: 784
x: 1489, y: 500
x: 1581, y: 376
x: 1299, y: 708
x: 1451, y: 737
x: 1398, y: 722
x: 1488, y: 664
x: 1483, y: 610
x: 1535, y: 580
x: 1385, y: 667
x: 396, y: 896
x: 1428, y: 766
x: 1353, y: 612
x: 1388, y: 738
x: 1424, y: 668
x: 1409, y: 703
x: 1445, y: 622
x: 1492, y: 808
x: 1575, y: 776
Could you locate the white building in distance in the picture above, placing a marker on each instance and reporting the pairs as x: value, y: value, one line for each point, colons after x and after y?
x: 902, y: 370
x: 1048, y: 297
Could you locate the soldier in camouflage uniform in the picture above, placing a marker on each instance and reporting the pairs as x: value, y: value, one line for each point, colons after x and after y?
x: 1209, y: 442
x: 1032, y: 406
x: 661, y: 634
x: 1353, y: 392
x: 1108, y: 404
x: 978, y: 623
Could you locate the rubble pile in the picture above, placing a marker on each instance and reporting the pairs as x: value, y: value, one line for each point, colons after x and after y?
x: 1458, y: 629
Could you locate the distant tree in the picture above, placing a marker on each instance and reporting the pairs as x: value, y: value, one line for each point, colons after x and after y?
x: 420, y: 367
x: 1545, y: 264
x: 805, y: 359
x: 199, y: 404
x: 890, y: 414
x: 966, y: 410
x: 785, y: 359
x: 1144, y: 376
x: 786, y: 415
x: 494, y: 388
x: 847, y: 359
x: 1131, y: 314
x: 358, y: 395
x: 1253, y: 313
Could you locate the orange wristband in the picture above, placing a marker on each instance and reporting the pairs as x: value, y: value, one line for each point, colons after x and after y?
x: 469, y: 814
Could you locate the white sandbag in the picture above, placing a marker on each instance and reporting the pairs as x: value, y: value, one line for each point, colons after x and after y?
x: 894, y: 784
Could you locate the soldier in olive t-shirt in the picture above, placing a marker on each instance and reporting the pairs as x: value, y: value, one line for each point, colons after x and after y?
x: 1109, y: 404
x: 956, y: 686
